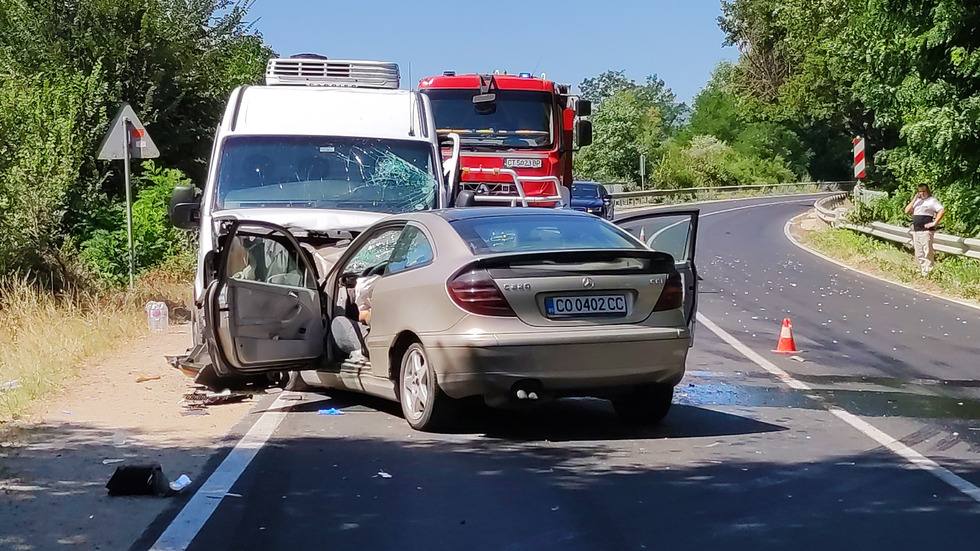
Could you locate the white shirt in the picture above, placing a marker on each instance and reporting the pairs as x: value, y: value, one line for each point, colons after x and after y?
x: 926, y: 207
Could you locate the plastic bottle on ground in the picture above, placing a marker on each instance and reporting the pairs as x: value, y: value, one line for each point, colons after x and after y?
x: 157, y: 317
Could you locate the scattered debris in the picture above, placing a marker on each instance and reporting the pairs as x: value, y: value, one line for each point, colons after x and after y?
x: 138, y: 480
x: 382, y: 474
x: 182, y: 482
x: 199, y: 398
x: 331, y: 411
x: 145, y: 378
x: 797, y: 358
x: 10, y: 385
x: 66, y: 412
x: 292, y: 397
x: 111, y: 461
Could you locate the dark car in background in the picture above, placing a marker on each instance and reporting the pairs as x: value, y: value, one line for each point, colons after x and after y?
x: 592, y: 197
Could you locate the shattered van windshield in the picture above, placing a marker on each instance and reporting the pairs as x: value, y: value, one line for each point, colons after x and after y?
x: 376, y: 175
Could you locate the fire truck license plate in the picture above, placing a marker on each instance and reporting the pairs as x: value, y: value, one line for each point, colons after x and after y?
x: 522, y: 163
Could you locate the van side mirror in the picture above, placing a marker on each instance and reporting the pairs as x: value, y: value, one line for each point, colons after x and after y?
x: 465, y: 198
x: 185, y: 208
x: 584, y: 108
x: 583, y: 133
x: 451, y: 165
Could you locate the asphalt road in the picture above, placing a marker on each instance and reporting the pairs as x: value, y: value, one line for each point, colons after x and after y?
x: 743, y: 461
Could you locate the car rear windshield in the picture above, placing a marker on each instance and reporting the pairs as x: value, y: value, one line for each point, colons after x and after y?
x: 527, y: 232
x: 585, y: 191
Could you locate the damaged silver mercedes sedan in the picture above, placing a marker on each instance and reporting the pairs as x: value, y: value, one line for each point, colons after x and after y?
x: 426, y: 308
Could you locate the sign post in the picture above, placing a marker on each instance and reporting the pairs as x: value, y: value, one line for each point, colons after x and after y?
x: 643, y: 171
x: 127, y: 139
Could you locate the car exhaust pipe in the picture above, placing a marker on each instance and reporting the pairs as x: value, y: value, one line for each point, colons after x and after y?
x: 526, y: 390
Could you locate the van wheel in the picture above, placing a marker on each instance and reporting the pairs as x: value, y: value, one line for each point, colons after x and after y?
x: 424, y: 405
x: 647, y: 404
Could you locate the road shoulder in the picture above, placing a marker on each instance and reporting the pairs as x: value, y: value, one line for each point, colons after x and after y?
x: 808, y: 222
x: 121, y: 410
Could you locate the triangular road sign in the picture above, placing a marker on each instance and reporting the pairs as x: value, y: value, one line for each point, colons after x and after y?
x: 114, y: 144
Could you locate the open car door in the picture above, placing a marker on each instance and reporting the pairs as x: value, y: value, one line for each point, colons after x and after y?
x: 263, y: 310
x: 674, y: 232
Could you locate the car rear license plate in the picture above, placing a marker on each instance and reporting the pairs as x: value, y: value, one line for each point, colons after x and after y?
x: 587, y: 305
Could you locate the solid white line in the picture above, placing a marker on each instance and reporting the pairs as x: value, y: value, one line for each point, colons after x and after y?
x: 869, y: 430
x: 198, y: 510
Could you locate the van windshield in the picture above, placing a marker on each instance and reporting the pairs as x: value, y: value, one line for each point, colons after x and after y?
x: 365, y: 174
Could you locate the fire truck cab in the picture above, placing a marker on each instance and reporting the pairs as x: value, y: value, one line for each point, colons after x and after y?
x: 517, y: 134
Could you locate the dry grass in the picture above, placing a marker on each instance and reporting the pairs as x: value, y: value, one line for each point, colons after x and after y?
x: 46, y: 340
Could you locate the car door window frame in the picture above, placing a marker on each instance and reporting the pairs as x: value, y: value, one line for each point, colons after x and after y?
x: 428, y: 239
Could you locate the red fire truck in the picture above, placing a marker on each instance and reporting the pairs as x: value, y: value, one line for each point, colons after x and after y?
x: 517, y: 134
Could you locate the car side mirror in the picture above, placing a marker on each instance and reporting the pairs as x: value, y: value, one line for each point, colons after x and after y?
x: 185, y: 208
x: 465, y: 198
x: 583, y: 133
x: 584, y: 108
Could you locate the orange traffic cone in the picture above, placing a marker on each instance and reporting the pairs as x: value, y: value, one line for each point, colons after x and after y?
x: 643, y: 234
x: 786, y: 344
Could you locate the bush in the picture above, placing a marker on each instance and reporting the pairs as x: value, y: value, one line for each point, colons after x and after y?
x: 155, y: 240
x: 709, y: 162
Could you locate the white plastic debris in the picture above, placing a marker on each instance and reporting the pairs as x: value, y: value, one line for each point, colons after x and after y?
x: 797, y: 358
x: 383, y: 474
x: 182, y: 482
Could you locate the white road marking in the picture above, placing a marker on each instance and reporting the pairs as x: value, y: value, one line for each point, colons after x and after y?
x: 198, y: 510
x: 869, y: 430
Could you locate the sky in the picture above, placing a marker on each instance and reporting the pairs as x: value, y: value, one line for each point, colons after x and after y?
x: 678, y: 40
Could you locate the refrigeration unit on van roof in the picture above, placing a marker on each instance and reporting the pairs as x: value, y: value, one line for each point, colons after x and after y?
x: 315, y: 71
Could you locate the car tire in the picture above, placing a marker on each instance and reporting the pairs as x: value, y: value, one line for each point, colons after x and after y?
x: 425, y: 406
x: 647, y: 404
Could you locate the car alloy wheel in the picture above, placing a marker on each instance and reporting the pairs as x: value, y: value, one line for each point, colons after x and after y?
x: 424, y: 405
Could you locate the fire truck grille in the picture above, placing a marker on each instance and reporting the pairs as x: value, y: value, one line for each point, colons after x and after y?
x: 489, y: 188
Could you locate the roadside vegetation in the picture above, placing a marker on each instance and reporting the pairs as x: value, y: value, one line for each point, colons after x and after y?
x: 812, y: 75
x: 954, y: 276
x: 65, y: 67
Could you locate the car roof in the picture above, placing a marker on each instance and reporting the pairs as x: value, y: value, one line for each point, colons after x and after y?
x: 469, y: 213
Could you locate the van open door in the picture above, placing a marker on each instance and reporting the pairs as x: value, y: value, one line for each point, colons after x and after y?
x: 264, y: 309
x: 674, y: 232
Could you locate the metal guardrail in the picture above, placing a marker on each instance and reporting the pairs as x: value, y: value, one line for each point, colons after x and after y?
x: 830, y: 210
x: 633, y: 197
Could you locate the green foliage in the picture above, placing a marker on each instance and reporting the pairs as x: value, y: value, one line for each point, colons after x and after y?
x: 64, y: 69
x: 626, y: 127
x: 155, y: 239
x: 904, y: 75
x: 41, y: 145
x: 709, y: 162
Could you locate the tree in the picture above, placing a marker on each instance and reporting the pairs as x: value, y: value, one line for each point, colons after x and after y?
x: 175, y: 61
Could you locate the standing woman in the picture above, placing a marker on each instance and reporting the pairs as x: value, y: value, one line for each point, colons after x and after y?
x: 926, y: 212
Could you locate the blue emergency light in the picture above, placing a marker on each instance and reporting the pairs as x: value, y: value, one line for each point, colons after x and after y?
x: 525, y: 75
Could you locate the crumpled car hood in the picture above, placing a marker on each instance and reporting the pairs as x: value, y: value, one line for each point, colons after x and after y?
x: 318, y: 220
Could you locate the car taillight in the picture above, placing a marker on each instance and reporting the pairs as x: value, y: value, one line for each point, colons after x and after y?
x: 672, y: 295
x: 476, y: 292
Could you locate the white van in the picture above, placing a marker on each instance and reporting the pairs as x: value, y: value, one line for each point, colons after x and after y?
x: 325, y: 148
